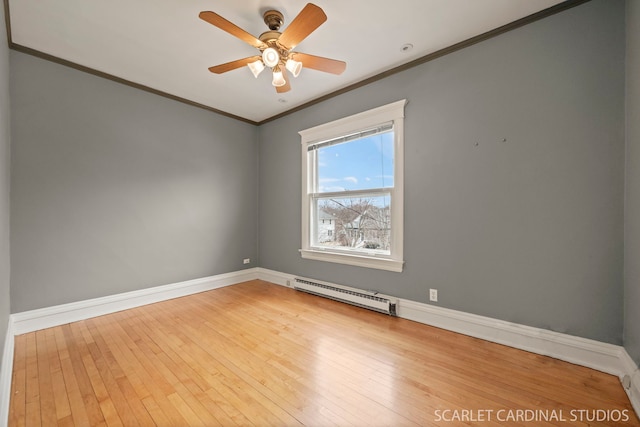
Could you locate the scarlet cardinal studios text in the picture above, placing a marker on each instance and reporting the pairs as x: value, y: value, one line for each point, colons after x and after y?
x: 531, y: 415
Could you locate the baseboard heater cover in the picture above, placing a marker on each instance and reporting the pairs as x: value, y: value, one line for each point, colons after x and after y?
x: 370, y: 300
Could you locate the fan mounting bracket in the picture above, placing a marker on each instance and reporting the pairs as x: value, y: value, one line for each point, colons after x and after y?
x: 273, y: 19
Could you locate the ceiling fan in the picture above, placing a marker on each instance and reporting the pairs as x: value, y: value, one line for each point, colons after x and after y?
x: 276, y: 48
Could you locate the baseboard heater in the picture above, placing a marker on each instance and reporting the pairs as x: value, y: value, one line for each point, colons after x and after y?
x: 365, y: 299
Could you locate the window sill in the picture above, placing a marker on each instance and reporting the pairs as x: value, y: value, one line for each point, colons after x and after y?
x: 352, y: 259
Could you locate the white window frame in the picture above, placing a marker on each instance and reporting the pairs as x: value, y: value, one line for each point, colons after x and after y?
x: 393, y: 112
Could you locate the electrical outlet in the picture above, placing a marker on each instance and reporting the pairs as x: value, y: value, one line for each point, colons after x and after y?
x: 433, y: 295
x: 246, y: 261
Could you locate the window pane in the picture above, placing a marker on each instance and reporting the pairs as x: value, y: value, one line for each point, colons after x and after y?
x: 354, y: 223
x: 361, y: 164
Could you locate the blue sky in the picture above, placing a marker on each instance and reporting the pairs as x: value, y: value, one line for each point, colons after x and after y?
x: 356, y: 165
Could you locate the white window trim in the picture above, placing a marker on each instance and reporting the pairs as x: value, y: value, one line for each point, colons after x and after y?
x: 391, y: 112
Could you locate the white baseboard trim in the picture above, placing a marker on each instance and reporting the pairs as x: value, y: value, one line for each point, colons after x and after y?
x: 633, y: 386
x: 581, y: 351
x: 33, y: 320
x: 604, y: 357
x: 6, y: 373
x: 275, y: 277
x: 634, y: 391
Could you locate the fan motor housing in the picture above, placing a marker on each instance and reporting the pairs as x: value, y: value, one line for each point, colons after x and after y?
x: 269, y: 36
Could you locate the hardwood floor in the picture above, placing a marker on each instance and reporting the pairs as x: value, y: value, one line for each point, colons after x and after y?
x: 260, y: 354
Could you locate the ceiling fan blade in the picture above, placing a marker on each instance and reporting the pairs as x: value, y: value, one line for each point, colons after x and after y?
x: 310, y: 18
x: 231, y: 28
x: 319, y: 63
x: 223, y: 68
x: 286, y: 87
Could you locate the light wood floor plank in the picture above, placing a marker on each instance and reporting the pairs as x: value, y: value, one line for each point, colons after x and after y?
x: 85, y: 396
x: 32, y: 393
x: 263, y: 355
x: 189, y: 383
x: 130, y: 408
x: 143, y: 372
x: 46, y: 397
x: 61, y: 399
x: 242, y: 384
x: 335, y: 392
x: 240, y: 354
x: 187, y: 403
x: 18, y: 403
x: 200, y: 371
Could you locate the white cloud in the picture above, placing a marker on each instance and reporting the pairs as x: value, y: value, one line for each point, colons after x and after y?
x: 330, y: 189
x: 352, y: 179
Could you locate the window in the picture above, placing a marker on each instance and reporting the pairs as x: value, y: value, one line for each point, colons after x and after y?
x: 352, y: 189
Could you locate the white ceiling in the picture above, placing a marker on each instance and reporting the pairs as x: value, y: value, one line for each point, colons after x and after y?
x: 162, y: 44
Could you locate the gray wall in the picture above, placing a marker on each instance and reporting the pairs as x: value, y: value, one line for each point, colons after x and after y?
x: 529, y: 230
x: 115, y: 189
x: 5, y: 159
x: 632, y: 205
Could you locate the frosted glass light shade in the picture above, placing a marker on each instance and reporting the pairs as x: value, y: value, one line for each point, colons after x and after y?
x: 256, y: 67
x: 294, y: 66
x: 270, y: 57
x: 278, y: 79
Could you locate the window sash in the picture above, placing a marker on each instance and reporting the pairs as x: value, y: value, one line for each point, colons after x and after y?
x: 368, y: 192
x: 314, y: 220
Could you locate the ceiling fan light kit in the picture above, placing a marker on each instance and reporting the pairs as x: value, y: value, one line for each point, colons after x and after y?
x: 256, y: 67
x: 294, y: 67
x: 270, y: 57
x: 276, y: 48
x: 278, y: 78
